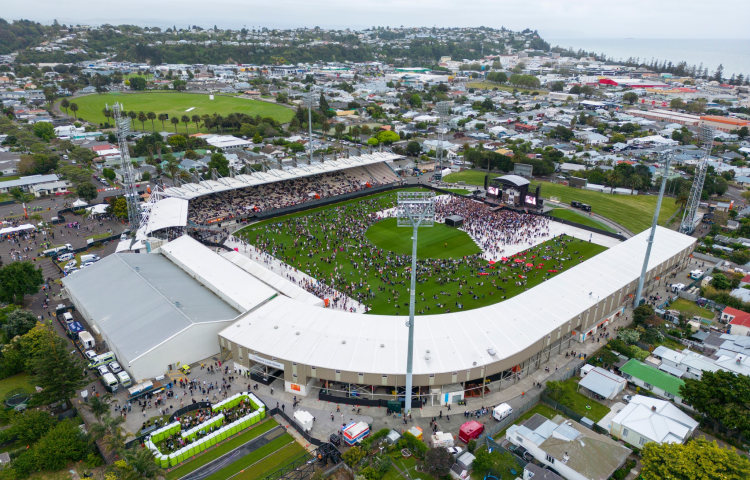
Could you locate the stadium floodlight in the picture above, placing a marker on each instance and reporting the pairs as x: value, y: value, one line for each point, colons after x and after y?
x: 690, y: 214
x: 665, y: 156
x: 444, y: 110
x: 310, y: 102
x: 122, y: 124
x: 414, y: 209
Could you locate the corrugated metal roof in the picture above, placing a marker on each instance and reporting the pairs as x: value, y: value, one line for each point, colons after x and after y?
x: 150, y: 299
x: 603, y: 382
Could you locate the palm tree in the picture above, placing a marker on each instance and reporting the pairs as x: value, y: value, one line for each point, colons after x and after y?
x: 356, y: 131
x: 339, y: 129
x: 132, y: 115
x: 219, y: 120
x: 163, y: 117
x: 65, y: 104
x: 614, y: 180
x: 142, y: 464
x: 110, y: 432
x: 206, y: 119
x: 74, y: 109
x: 142, y: 118
x: 172, y: 167
x: 107, y: 113
x: 635, y: 182
x: 682, y: 196
x: 174, y: 121
x: 99, y: 406
x: 196, y: 120
x: 151, y: 116
x: 185, y: 119
x: 325, y: 126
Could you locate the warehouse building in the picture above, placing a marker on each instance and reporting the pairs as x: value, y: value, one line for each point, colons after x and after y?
x: 311, y: 345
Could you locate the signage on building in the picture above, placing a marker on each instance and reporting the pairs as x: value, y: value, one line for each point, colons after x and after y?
x: 265, y: 361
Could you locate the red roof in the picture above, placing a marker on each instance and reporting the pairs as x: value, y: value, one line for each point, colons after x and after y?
x: 746, y: 279
x: 740, y: 318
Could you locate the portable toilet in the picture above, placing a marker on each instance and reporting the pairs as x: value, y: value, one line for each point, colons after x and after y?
x: 355, y: 432
x: 303, y: 419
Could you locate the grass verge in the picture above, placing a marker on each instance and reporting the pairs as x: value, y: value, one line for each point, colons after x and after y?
x: 690, y: 309
x: 576, y: 217
x: 578, y: 402
x: 16, y: 381
x: 260, y: 462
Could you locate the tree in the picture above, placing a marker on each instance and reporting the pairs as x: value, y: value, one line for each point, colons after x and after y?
x: 87, y: 191
x: 146, y: 176
x: 58, y: 372
x: 743, y: 132
x: 438, y: 462
x: 677, y: 104
x: 109, y: 430
x: 323, y: 104
x: 118, y: 207
x: 353, y: 456
x: 555, y: 390
x: 109, y: 174
x: 388, y: 137
x: 177, y: 142
x: 18, y: 279
x: 74, y: 109
x: 325, y: 126
x: 175, y: 121
x: 413, y: 148
x: 65, y: 104
x: 98, y: 406
x: 723, y: 397
x: 721, y: 282
x: 132, y: 116
x: 186, y: 120
x: 557, y: 86
x: 720, y: 186
x: 30, y: 426
x: 630, y: 97
x: 220, y: 163
x: 163, y: 117
x: 196, y: 120
x: 339, y: 129
x: 137, y: 83
x: 415, y: 101
x: 171, y: 166
x: 635, y: 182
x: 63, y: 444
x: 143, y: 465
x: 44, y: 130
x: 18, y: 323
x: 698, y: 459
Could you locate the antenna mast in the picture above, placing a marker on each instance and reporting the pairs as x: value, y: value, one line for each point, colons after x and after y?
x: 122, y: 122
x: 687, y: 226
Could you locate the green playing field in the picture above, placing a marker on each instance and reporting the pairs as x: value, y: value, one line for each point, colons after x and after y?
x: 90, y: 108
x: 439, y: 241
x: 335, y: 244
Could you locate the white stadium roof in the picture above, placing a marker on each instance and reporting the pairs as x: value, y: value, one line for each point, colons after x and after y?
x: 326, y: 338
x: 168, y: 212
x: 193, y: 190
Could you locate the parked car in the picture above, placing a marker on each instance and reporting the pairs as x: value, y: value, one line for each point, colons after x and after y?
x: 115, y: 367
x: 89, y: 354
x: 103, y: 370
x: 627, y: 398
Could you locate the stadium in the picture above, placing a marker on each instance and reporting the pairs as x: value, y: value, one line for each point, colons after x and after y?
x: 302, y: 265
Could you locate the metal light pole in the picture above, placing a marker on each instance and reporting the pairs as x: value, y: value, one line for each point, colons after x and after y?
x: 414, y: 209
x: 666, y: 156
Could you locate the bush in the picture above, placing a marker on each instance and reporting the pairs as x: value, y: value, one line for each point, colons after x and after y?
x: 472, y: 445
x: 353, y: 456
x: 417, y: 447
x: 368, y: 442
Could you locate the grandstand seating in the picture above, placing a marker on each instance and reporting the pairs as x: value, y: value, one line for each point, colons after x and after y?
x: 210, y: 208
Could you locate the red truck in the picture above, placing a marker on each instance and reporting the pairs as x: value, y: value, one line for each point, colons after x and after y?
x: 470, y: 430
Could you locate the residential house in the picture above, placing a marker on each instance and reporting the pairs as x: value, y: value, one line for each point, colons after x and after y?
x: 137, y: 173
x: 574, y: 451
x: 656, y: 381
x: 647, y: 419
x: 50, y: 188
x: 25, y: 183
x: 739, y: 321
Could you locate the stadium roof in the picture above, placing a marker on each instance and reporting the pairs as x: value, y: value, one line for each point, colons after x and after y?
x: 193, y: 190
x: 332, y: 339
x: 168, y: 212
x: 150, y: 300
x: 516, y: 180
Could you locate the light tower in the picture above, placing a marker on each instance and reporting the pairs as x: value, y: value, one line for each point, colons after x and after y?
x: 687, y: 226
x: 122, y: 124
x: 309, y: 102
x: 444, y: 109
x: 414, y: 209
x: 666, y: 157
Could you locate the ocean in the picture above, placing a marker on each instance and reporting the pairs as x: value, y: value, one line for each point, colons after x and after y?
x: 734, y: 55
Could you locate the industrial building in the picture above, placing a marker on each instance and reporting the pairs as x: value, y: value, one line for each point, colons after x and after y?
x: 312, y: 344
x: 659, y: 115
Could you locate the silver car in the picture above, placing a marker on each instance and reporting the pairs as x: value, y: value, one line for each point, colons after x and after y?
x: 103, y: 370
x: 115, y: 367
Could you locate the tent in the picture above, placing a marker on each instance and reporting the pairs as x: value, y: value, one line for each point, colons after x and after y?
x: 19, y: 228
x: 80, y: 203
x: 98, y: 209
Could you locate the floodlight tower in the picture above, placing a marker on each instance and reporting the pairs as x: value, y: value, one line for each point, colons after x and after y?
x: 665, y: 156
x: 444, y: 109
x: 414, y: 209
x: 122, y: 124
x: 309, y: 102
x: 687, y: 226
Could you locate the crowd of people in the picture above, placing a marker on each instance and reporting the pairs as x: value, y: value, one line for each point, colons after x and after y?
x: 285, y: 193
x: 331, y: 246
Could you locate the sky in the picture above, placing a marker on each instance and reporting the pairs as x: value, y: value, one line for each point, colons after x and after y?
x: 552, y: 18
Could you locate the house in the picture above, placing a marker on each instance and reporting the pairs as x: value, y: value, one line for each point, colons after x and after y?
x: 647, y: 419
x: 25, y: 183
x: 685, y: 364
x: 603, y: 383
x: 137, y: 173
x: 739, y: 321
x: 532, y: 470
x: 574, y: 451
x: 572, y: 167
x: 654, y: 380
x: 50, y: 188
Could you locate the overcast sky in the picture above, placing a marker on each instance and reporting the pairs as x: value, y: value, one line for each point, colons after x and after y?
x: 552, y: 18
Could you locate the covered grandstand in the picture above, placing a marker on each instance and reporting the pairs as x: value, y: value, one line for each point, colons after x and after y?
x: 499, y: 340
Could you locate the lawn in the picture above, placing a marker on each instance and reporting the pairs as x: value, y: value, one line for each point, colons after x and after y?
x: 262, y: 461
x: 380, y: 278
x: 459, y: 191
x: 90, y: 108
x: 690, y: 309
x: 502, y: 464
x: 431, y: 242
x: 573, y: 216
x: 578, y: 402
x: 470, y: 177
x: 407, y: 466
x: 221, y: 449
x: 16, y: 381
x: 540, y: 408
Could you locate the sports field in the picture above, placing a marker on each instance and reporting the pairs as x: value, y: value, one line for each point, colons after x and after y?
x: 439, y: 241
x: 90, y: 108
x: 335, y: 244
x: 263, y: 461
x: 582, y: 218
x: 633, y: 212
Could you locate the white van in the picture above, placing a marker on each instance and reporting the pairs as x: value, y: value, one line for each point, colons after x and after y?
x: 501, y: 411
x: 66, y: 257
x: 676, y: 287
x: 87, y: 340
x: 68, y: 317
x: 695, y: 274
x: 89, y: 258
x: 110, y: 382
x: 124, y: 379
x: 103, y: 359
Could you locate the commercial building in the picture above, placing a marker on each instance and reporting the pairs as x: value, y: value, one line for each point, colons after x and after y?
x: 724, y: 124
x: 660, y: 115
x: 515, y: 336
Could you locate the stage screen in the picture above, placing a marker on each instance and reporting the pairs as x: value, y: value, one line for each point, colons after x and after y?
x: 530, y: 200
x: 493, y: 191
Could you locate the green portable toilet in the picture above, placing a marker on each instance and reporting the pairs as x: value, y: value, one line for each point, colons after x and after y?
x: 394, y: 406
x: 164, y: 461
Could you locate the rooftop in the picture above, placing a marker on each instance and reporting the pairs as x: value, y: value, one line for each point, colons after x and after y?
x: 653, y: 376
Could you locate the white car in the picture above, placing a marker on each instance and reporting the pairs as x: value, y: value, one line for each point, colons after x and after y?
x: 627, y: 398
x: 90, y: 354
x: 87, y: 264
x: 115, y: 367
x: 103, y: 370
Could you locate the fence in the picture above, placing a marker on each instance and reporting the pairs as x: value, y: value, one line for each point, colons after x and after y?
x: 312, y: 440
x: 496, y: 446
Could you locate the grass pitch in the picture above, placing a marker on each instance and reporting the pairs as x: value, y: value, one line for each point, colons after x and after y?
x: 326, y: 249
x: 439, y: 241
x: 573, y: 216
x: 90, y: 108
